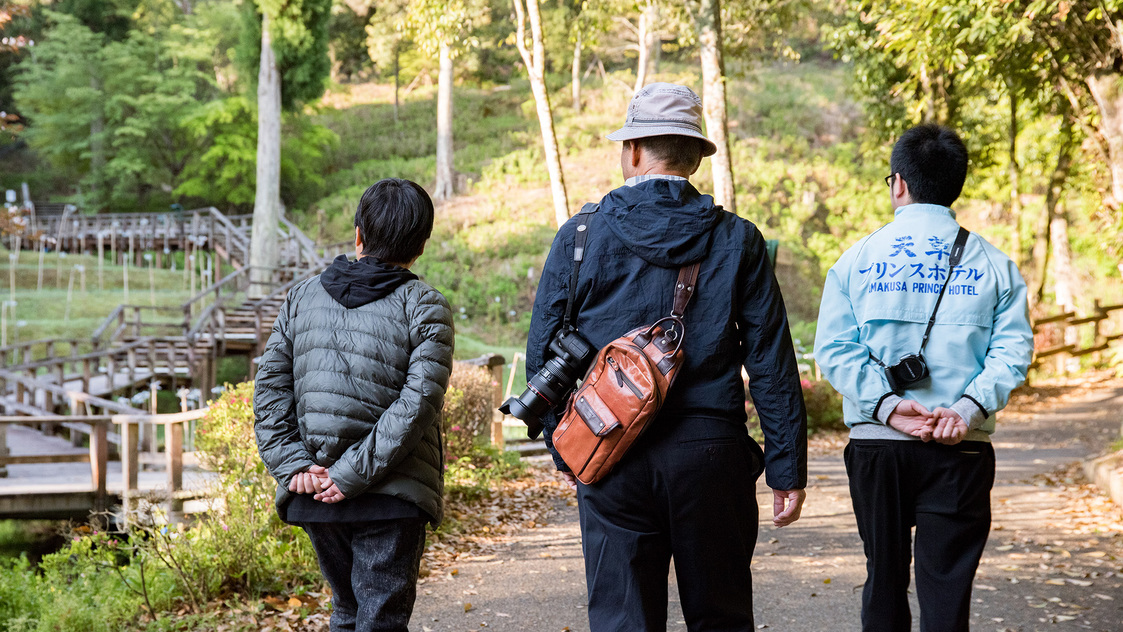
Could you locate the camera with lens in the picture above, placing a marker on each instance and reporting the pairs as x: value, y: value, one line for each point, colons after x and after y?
x: 907, y: 373
x: 550, y: 387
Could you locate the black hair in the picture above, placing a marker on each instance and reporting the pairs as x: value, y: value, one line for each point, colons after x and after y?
x: 932, y: 160
x: 395, y: 219
x: 682, y: 153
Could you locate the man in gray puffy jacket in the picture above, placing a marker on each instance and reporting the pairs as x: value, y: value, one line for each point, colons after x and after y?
x: 347, y: 405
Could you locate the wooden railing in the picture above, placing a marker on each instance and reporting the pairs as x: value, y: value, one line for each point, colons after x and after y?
x: 127, y: 428
x: 129, y: 320
x: 331, y: 251
x: 1068, y: 327
x: 28, y: 351
x: 40, y: 386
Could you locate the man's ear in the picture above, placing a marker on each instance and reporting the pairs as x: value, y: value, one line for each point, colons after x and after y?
x: 637, y: 151
x: 358, y: 240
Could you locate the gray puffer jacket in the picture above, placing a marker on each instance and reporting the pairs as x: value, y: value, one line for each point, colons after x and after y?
x: 357, y: 387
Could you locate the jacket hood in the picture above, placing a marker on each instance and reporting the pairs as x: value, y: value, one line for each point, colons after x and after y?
x: 356, y: 283
x: 667, y: 223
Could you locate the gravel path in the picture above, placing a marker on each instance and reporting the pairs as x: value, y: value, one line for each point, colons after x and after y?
x: 1054, y: 560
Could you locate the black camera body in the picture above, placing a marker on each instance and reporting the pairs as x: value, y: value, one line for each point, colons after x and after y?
x: 907, y: 373
x: 552, y: 385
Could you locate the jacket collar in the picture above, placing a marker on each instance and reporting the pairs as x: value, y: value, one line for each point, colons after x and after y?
x: 916, y: 210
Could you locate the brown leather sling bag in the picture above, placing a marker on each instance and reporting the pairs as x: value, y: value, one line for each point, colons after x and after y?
x: 627, y: 383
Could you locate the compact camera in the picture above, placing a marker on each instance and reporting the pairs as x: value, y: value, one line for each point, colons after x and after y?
x: 907, y: 373
x: 554, y: 382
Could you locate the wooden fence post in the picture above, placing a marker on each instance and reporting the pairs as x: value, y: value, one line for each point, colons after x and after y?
x: 99, y: 462
x: 494, y: 365
x: 129, y: 455
x: 4, y: 451
x: 173, y: 448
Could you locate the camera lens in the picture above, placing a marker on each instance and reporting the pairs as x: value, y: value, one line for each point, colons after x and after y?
x: 553, y: 382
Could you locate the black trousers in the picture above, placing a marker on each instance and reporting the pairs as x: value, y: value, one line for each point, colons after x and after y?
x: 943, y: 491
x: 372, y: 569
x: 686, y: 490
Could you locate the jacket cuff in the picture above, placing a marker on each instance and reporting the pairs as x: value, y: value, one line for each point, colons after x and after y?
x: 971, y: 412
x: 886, y: 406
x: 347, y: 479
x: 559, y: 463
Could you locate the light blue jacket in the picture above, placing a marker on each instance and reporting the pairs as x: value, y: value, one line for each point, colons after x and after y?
x: 877, y: 301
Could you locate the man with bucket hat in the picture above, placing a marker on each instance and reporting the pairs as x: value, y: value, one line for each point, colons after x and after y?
x: 686, y: 490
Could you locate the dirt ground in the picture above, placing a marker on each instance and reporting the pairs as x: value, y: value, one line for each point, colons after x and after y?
x: 1054, y: 560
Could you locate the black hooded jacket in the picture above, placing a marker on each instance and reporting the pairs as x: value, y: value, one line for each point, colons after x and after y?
x: 637, y: 241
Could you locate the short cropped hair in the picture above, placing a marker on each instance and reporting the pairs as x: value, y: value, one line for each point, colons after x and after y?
x: 682, y: 153
x: 395, y: 219
x: 932, y: 160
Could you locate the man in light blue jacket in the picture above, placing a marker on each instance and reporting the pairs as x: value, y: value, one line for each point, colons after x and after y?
x: 925, y: 353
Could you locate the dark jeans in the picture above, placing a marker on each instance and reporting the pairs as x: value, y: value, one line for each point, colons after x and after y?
x: 943, y: 491
x: 686, y: 490
x: 372, y: 569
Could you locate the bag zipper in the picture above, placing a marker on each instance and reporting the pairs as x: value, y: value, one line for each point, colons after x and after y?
x: 622, y: 379
x: 654, y: 390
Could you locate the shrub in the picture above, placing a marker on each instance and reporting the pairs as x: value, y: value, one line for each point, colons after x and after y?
x: 19, y: 590
x: 224, y: 438
x: 467, y: 409
x: 823, y: 403
x: 824, y: 406
x: 470, y: 477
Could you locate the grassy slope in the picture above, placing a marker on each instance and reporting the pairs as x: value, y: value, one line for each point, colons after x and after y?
x: 41, y: 314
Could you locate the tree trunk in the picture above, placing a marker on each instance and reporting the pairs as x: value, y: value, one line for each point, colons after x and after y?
x: 1064, y: 280
x: 1042, y: 244
x: 644, y: 41
x: 929, y: 95
x: 1107, y: 90
x: 714, y: 101
x: 97, y: 143
x: 1013, y: 171
x: 397, y: 84
x: 444, y: 187
x: 535, y: 61
x: 576, y: 75
x: 264, y: 251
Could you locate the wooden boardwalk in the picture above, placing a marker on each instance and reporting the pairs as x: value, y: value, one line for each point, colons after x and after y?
x: 73, y: 386
x: 66, y: 490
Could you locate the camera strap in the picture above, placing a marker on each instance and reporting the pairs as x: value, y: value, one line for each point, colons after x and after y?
x: 579, y: 239
x: 953, y: 260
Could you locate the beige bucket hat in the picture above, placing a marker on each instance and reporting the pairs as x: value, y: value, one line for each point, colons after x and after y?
x: 661, y: 109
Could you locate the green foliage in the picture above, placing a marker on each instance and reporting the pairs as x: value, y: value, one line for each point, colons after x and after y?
x: 111, y: 111
x: 466, y: 416
x: 224, y: 438
x: 472, y: 477
x: 347, y: 33
x: 299, y: 29
x: 824, y: 406
x: 19, y: 590
x: 436, y: 23
x: 226, y: 169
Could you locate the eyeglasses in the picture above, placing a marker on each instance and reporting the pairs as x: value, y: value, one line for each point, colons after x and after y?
x: 889, y: 180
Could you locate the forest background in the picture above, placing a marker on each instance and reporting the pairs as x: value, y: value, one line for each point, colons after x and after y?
x: 128, y: 105
x: 500, y: 107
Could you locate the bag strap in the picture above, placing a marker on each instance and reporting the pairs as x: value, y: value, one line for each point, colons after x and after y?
x: 953, y: 260
x: 684, y: 287
x: 578, y: 256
